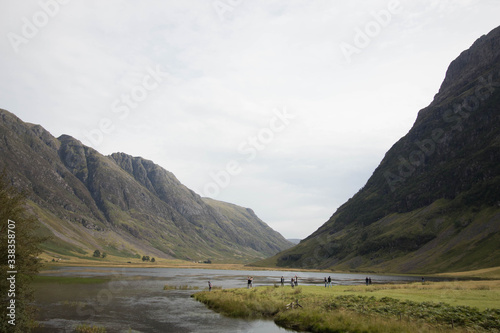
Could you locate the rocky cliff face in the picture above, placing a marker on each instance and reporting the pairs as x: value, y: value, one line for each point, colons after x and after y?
x: 471, y: 64
x: 123, y: 205
x: 433, y: 203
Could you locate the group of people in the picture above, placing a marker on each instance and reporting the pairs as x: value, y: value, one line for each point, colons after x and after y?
x: 294, y: 281
x: 328, y: 282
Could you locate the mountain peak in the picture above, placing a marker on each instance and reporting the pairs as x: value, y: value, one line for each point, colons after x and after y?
x: 433, y: 203
x: 471, y: 63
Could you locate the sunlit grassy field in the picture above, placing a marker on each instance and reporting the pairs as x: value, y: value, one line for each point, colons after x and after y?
x: 116, y: 261
x: 466, y: 306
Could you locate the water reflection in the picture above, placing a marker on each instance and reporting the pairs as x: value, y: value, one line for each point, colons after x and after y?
x: 134, y: 299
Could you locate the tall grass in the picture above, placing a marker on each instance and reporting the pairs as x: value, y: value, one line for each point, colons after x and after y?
x: 344, y: 309
x: 83, y: 328
x: 316, y: 320
x: 242, y: 303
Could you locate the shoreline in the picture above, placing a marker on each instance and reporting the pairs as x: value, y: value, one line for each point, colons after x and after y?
x: 492, y: 273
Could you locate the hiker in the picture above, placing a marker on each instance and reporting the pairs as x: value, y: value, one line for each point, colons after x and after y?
x: 292, y: 282
x: 329, y: 281
x: 209, y: 286
x: 366, y: 280
x: 282, y: 281
x: 296, y: 281
x: 249, y: 282
x: 326, y: 281
x: 369, y: 280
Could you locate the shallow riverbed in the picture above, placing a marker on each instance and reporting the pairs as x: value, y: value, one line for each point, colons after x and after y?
x: 134, y: 300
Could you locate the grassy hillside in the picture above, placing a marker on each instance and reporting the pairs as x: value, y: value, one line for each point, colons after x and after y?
x: 124, y: 206
x: 421, y: 241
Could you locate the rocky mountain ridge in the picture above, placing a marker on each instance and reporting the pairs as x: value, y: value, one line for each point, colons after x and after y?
x: 123, y: 205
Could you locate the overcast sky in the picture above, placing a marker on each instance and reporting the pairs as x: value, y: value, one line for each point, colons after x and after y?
x: 285, y: 107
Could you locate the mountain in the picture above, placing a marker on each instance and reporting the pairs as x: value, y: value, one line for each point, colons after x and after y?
x: 433, y: 203
x: 123, y: 205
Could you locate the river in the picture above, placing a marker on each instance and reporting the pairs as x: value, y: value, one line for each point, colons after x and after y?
x: 133, y: 300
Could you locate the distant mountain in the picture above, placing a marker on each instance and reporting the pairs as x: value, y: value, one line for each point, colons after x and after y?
x: 433, y: 203
x: 123, y: 205
x: 294, y: 240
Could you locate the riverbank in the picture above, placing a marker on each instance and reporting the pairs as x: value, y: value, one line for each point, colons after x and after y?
x: 52, y: 261
x: 415, y: 307
x: 492, y: 273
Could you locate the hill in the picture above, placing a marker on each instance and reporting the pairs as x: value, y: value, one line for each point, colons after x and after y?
x: 433, y: 203
x: 122, y: 205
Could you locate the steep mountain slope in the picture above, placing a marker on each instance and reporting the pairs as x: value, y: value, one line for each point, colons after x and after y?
x: 433, y: 203
x: 123, y: 205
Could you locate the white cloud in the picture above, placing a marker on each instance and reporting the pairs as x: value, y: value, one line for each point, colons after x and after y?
x: 227, y: 76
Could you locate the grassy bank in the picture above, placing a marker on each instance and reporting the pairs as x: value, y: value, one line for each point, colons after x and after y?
x: 492, y: 273
x: 52, y: 261
x: 431, y: 307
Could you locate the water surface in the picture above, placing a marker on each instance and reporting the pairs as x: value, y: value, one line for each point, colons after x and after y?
x: 134, y: 300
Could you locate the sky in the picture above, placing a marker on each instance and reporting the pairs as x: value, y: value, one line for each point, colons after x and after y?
x: 285, y: 107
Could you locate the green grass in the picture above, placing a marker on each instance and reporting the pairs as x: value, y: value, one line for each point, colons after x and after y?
x: 58, y: 246
x: 69, y: 279
x: 430, y: 307
x: 83, y: 328
x: 113, y: 250
x: 479, y: 294
x: 492, y: 273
